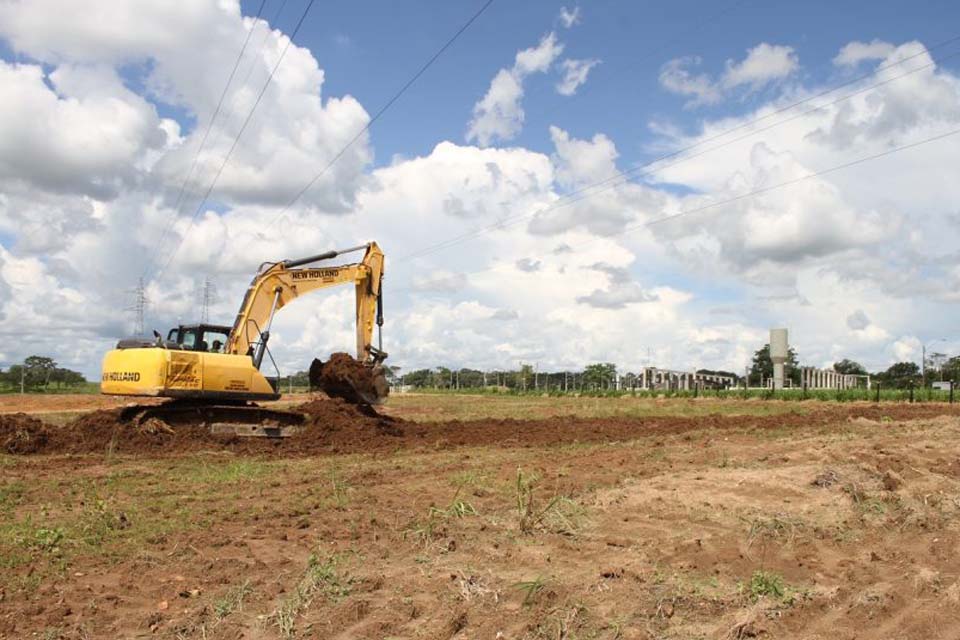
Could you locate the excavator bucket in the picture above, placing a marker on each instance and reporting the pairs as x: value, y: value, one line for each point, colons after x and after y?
x: 345, y: 377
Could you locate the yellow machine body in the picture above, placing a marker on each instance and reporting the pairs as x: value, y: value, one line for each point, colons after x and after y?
x: 170, y: 373
x: 230, y: 371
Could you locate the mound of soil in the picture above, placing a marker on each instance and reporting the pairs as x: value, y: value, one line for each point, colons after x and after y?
x: 343, y: 376
x: 20, y: 433
x: 337, y: 426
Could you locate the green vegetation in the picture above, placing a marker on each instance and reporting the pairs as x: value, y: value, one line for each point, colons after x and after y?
x: 766, y: 584
x: 40, y: 374
x: 232, y: 600
x: 560, y: 515
x: 530, y: 588
x: 322, y: 579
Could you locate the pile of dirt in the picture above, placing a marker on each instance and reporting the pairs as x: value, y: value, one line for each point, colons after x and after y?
x: 20, y: 433
x: 343, y: 376
x: 337, y: 426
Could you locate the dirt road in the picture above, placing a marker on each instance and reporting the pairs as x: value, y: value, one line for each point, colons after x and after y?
x: 837, y: 521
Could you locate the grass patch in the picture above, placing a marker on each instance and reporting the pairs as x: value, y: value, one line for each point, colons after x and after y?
x: 232, y: 600
x: 11, y: 494
x: 560, y: 514
x: 530, y: 589
x: 772, y: 586
x: 216, y: 473
x: 321, y: 579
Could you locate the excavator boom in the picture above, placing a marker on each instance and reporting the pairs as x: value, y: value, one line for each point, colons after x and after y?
x: 279, y: 283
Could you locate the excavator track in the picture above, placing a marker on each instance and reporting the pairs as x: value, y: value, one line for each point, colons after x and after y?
x: 245, y: 420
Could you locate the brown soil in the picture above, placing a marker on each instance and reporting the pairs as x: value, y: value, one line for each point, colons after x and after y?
x: 335, y: 425
x: 343, y: 376
x: 19, y: 433
x: 659, y: 529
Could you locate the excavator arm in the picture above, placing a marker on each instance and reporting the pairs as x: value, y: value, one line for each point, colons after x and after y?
x: 278, y: 284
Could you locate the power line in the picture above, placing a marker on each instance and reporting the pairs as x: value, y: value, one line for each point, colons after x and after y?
x: 236, y: 140
x: 622, y: 177
x: 743, y: 196
x: 708, y: 20
x: 203, y: 141
x: 380, y: 112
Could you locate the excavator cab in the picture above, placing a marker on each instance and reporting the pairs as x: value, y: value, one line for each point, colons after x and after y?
x: 199, y: 337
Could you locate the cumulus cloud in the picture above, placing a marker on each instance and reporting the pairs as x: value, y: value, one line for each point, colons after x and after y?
x: 579, y: 281
x: 763, y: 65
x: 853, y: 53
x: 100, y: 133
x: 499, y: 114
x: 575, y: 73
x: 621, y: 290
x: 75, y: 130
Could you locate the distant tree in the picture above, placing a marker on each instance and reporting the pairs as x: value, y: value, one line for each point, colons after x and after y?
x: 600, y: 375
x: 951, y: 369
x: 65, y: 377
x: 900, y: 375
x: 442, y: 378
x: 12, y: 375
x: 393, y: 374
x: 418, y: 379
x: 762, y: 366
x: 846, y: 366
x: 38, y: 370
x: 524, y: 377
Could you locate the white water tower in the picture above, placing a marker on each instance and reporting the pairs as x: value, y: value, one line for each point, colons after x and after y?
x: 778, y: 353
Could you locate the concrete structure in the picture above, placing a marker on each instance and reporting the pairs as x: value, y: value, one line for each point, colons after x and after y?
x: 779, y: 352
x: 667, y: 379
x: 813, y: 378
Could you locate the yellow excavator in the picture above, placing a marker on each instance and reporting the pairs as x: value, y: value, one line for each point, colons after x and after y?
x: 213, y: 374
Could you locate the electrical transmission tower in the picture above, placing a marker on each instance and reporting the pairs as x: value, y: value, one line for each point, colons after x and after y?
x: 139, y: 308
x: 208, y: 298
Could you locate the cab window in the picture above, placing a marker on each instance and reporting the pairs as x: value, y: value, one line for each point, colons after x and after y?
x: 215, y: 341
x: 188, y: 339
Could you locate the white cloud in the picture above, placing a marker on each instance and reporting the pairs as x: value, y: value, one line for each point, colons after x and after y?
x: 183, y: 51
x: 874, y: 244
x: 764, y: 64
x: 83, y: 133
x: 444, y: 281
x: 676, y: 77
x: 499, y: 114
x: 907, y: 349
x: 621, y: 290
x: 853, y: 53
x: 568, y: 17
x: 574, y: 75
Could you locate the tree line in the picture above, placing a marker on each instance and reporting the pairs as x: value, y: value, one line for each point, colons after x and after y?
x: 39, y: 373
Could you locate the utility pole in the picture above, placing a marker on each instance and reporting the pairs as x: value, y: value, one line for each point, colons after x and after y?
x: 23, y: 373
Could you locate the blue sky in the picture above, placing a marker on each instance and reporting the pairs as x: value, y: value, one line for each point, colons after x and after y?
x: 858, y: 264
x: 368, y: 49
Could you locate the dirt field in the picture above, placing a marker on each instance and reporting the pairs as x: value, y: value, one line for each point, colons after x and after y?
x: 569, y: 518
